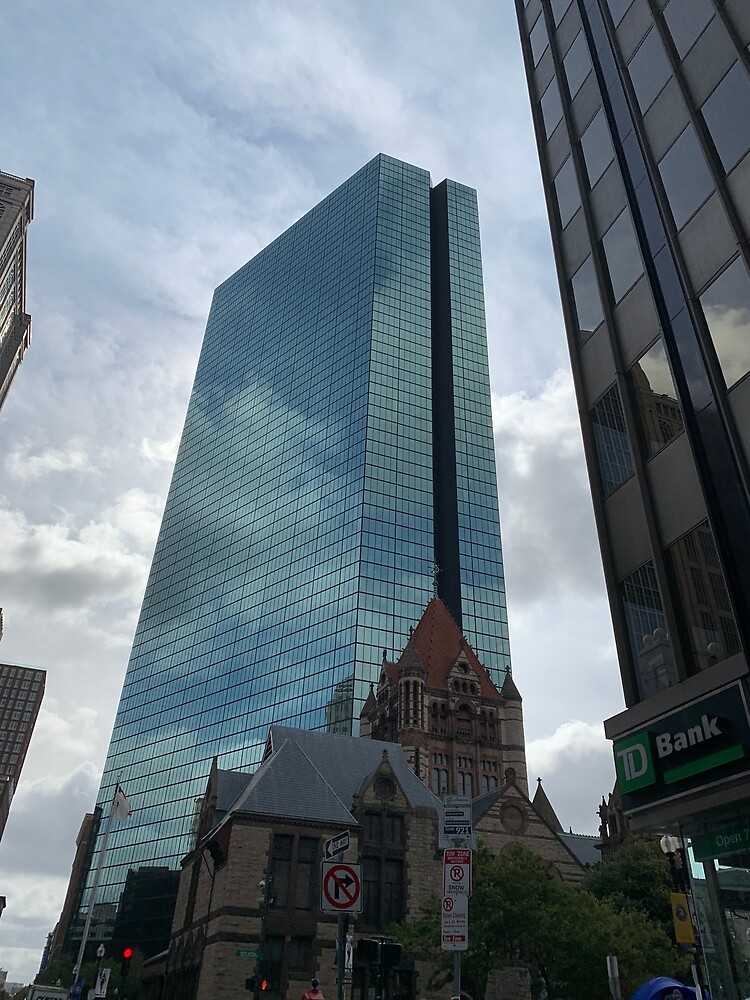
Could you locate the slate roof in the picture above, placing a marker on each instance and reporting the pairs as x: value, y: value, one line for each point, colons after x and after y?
x: 314, y: 776
x: 544, y: 807
x: 582, y: 846
x: 483, y: 803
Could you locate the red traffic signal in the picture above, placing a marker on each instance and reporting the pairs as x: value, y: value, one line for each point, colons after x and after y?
x: 127, y: 952
x: 264, y: 984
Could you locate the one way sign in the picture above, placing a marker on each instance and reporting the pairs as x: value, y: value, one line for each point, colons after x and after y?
x: 340, y: 887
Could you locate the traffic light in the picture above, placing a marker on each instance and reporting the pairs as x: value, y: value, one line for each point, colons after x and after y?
x: 390, y: 954
x: 367, y: 951
x: 127, y: 954
x: 265, y: 984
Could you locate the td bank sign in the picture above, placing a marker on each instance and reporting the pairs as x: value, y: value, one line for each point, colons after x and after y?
x: 701, y: 737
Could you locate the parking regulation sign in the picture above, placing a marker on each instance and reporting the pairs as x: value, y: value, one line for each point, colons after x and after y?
x: 340, y: 887
x: 456, y: 827
x: 454, y: 923
x: 457, y: 872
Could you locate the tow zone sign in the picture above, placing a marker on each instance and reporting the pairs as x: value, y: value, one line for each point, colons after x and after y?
x: 454, y: 925
x: 340, y: 887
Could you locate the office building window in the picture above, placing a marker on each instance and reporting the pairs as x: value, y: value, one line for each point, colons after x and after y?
x: 577, y: 64
x: 706, y: 610
x: 611, y: 440
x: 651, y: 647
x: 552, y: 110
x: 686, y: 20
x: 726, y: 306
x: 659, y: 413
x: 649, y: 70
x: 538, y: 39
x: 727, y: 115
x: 686, y: 178
x: 596, y: 144
x: 587, y: 300
x: 559, y: 9
x: 623, y: 257
x: 566, y: 192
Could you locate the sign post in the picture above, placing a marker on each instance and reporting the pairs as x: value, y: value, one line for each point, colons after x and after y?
x: 457, y: 836
x: 341, y: 892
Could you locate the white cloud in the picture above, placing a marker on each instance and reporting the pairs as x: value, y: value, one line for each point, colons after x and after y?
x: 20, y: 464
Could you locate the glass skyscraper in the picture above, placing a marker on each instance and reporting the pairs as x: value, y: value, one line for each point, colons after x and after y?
x: 336, y: 467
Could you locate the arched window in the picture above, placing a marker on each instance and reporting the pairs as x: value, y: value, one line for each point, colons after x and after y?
x: 463, y: 722
x: 443, y: 782
x: 435, y: 780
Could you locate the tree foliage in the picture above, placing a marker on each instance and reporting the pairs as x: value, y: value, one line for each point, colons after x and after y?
x: 521, y: 914
x: 637, y: 878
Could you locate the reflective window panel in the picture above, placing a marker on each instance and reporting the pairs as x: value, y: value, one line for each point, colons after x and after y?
x: 559, y: 9
x: 566, y: 192
x: 596, y: 143
x: 299, y: 537
x: 577, y: 64
x: 649, y: 70
x: 611, y: 440
x: 704, y: 599
x: 727, y: 114
x: 618, y: 9
x: 552, y: 110
x: 588, y: 303
x: 686, y: 177
x: 650, y: 644
x: 623, y: 257
x: 726, y: 305
x: 659, y: 413
x: 686, y: 20
x: 538, y: 39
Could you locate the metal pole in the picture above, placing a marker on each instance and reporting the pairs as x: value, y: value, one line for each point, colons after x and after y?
x: 457, y: 974
x: 341, y: 956
x: 725, y: 946
x: 92, y: 901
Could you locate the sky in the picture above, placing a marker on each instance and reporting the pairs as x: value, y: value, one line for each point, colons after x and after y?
x: 170, y: 141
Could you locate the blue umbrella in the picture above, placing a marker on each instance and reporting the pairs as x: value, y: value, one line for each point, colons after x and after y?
x: 657, y: 989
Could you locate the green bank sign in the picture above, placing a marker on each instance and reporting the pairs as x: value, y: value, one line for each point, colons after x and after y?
x: 680, y: 748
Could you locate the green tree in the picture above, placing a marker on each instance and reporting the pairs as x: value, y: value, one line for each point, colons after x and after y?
x: 636, y: 878
x: 522, y: 914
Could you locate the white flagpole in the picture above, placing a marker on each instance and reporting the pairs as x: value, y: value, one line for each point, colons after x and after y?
x: 95, y: 888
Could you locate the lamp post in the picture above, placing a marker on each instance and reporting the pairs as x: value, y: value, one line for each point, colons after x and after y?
x: 675, y: 852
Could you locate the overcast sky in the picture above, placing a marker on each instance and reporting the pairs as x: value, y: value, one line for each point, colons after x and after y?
x: 169, y: 142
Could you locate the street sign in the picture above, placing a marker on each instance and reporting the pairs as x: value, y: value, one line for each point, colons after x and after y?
x: 454, y: 924
x: 337, y: 845
x: 102, y: 982
x: 456, y: 872
x: 248, y: 953
x: 340, y: 887
x: 456, y: 827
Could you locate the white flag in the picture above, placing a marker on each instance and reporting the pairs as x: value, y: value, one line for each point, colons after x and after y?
x: 120, y: 805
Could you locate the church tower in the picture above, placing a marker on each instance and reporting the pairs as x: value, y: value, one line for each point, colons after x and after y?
x: 459, y: 732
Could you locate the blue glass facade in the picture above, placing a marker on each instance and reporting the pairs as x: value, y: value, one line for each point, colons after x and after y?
x: 299, y: 537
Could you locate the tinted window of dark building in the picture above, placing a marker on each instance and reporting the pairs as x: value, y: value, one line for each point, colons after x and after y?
x: 727, y: 114
x: 653, y: 654
x: 623, y: 257
x: 538, y: 39
x: 704, y: 600
x: 611, y: 440
x: 618, y: 9
x: 726, y: 305
x: 559, y: 9
x: 596, y: 143
x: 649, y: 70
x: 552, y: 111
x: 577, y: 64
x: 588, y: 303
x: 566, y: 192
x: 659, y: 413
x: 686, y: 20
x: 686, y: 178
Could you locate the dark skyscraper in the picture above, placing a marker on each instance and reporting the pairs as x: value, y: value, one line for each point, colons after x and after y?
x: 336, y: 466
x: 642, y: 117
x: 16, y: 212
x: 21, y: 693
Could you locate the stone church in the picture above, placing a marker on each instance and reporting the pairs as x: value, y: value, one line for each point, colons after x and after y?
x: 248, y: 909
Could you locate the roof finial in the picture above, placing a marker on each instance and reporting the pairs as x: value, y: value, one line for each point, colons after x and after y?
x: 539, y: 780
x: 435, y: 571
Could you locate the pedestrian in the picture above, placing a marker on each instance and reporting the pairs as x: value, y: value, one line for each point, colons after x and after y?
x: 313, y: 993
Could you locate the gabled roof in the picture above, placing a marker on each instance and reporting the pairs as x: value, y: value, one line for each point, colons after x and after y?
x: 314, y: 775
x: 436, y: 643
x: 229, y: 784
x: 483, y: 803
x: 583, y: 846
x: 288, y: 784
x: 543, y: 806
